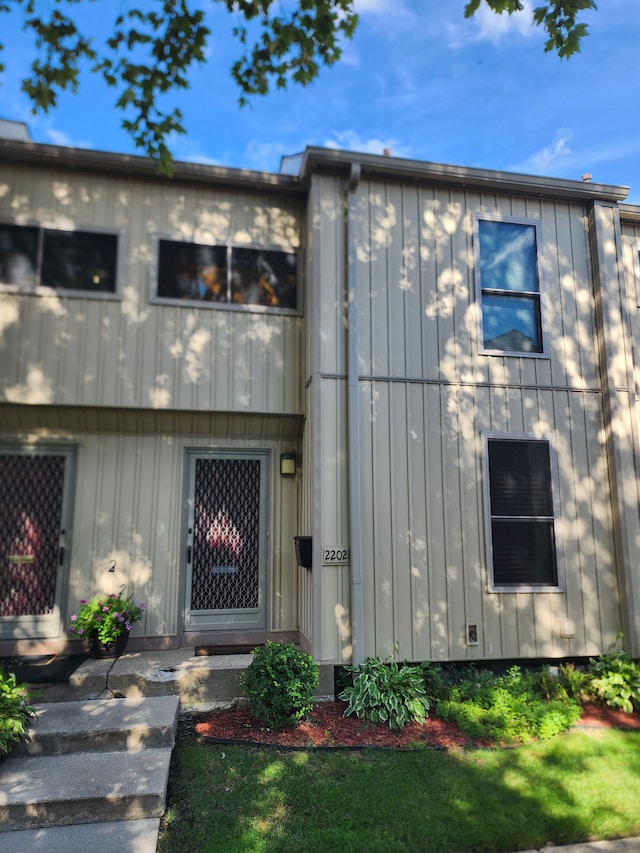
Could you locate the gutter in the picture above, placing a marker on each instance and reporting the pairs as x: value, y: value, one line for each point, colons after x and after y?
x: 353, y: 421
x: 381, y: 167
x: 132, y: 165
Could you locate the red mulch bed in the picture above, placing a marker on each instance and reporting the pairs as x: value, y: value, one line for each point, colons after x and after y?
x: 327, y: 728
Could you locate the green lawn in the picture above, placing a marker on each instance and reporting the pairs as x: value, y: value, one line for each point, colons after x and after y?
x: 581, y: 785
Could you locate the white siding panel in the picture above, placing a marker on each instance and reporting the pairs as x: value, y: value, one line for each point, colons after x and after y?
x: 128, y: 352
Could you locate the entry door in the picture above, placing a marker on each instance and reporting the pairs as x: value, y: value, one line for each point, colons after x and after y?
x: 226, y: 541
x: 35, y: 510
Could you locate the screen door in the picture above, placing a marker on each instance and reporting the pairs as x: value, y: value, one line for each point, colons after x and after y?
x: 34, y: 520
x: 226, y: 541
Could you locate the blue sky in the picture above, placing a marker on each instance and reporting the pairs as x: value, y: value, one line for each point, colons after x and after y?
x: 417, y: 78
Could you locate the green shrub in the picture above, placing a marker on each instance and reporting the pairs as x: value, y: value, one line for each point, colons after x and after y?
x: 15, y: 713
x: 565, y: 682
x: 383, y: 692
x: 616, y: 680
x: 279, y: 684
x: 508, y: 708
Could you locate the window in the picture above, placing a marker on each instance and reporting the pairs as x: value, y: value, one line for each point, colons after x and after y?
x: 521, y: 526
x: 231, y: 275
x: 32, y: 257
x: 508, y: 272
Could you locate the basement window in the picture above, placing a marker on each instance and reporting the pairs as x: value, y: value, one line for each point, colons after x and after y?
x: 521, y: 514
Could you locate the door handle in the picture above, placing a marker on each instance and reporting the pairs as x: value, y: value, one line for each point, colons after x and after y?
x: 61, y: 558
x: 188, y: 553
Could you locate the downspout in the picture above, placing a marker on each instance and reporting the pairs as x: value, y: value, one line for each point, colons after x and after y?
x: 353, y: 420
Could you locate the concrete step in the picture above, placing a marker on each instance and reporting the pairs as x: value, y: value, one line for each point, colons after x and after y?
x: 201, y: 682
x: 58, y: 790
x: 106, y: 725
x: 125, y: 836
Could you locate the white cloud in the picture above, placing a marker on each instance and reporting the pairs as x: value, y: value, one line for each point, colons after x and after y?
x: 562, y: 159
x: 264, y: 155
x: 552, y: 157
x: 349, y: 140
x: 59, y: 137
x: 189, y: 151
x: 379, y: 7
x: 486, y: 25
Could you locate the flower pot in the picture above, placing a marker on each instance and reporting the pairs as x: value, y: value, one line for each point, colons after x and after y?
x: 108, y: 650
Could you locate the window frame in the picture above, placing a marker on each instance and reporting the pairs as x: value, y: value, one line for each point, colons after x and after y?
x: 636, y: 268
x: 493, y: 587
x: 229, y: 246
x: 541, y: 295
x: 41, y: 290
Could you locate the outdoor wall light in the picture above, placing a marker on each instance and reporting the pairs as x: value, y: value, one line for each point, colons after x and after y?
x: 287, y: 464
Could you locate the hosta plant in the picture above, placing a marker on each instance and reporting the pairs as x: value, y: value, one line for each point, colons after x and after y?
x: 616, y: 680
x: 279, y: 684
x: 385, y: 692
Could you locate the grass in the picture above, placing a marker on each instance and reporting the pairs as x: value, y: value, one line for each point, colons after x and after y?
x: 575, y: 787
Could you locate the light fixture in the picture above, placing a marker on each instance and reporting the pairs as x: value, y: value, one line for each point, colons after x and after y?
x: 287, y: 464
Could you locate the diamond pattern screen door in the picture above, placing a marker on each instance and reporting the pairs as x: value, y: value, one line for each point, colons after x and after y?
x: 226, y: 541
x: 34, y: 524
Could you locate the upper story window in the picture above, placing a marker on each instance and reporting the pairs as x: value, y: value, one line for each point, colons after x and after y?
x: 32, y: 258
x: 521, y: 514
x: 508, y: 275
x: 232, y: 275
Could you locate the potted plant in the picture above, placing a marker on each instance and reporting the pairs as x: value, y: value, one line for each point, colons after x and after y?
x: 104, y: 623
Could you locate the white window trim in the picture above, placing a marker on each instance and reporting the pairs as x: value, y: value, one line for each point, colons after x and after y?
x: 636, y: 268
x: 51, y: 225
x: 154, y: 299
x: 555, y: 491
x: 537, y: 223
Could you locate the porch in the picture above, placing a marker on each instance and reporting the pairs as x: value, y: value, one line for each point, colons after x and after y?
x: 202, y: 682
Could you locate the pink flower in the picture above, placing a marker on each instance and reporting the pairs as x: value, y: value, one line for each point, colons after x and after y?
x: 105, y: 609
x: 74, y: 617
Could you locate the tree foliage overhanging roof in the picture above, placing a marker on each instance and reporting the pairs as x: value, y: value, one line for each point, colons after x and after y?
x: 151, y: 49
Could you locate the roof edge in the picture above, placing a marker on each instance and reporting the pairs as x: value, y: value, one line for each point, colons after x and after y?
x: 629, y: 212
x: 333, y: 159
x: 133, y: 164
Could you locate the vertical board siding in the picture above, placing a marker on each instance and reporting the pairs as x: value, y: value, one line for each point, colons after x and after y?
x: 134, y: 353
x: 423, y: 510
x: 129, y: 494
x: 426, y: 396
x: 418, y: 306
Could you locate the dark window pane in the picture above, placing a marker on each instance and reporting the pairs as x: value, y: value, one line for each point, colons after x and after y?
x: 511, y: 323
x: 18, y: 255
x: 520, y: 478
x: 77, y: 260
x: 508, y: 256
x: 262, y: 277
x: 524, y: 553
x: 192, y: 271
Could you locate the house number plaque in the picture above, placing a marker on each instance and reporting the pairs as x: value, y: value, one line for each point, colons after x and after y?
x: 335, y: 555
